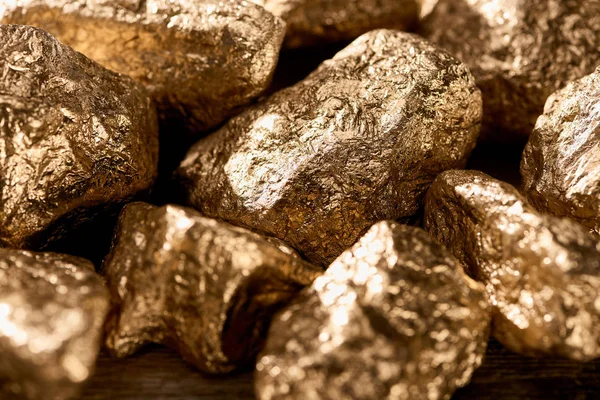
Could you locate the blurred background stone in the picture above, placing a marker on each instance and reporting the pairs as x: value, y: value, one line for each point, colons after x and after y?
x: 520, y: 51
x: 314, y: 22
x: 52, y: 309
x: 561, y: 163
x: 201, y: 60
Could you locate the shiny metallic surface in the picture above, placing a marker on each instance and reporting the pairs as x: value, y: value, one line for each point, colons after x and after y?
x: 561, y: 162
x: 394, y: 317
x: 359, y: 140
x: 520, y: 52
x: 201, y: 286
x: 200, y: 59
x: 73, y: 137
x: 311, y: 22
x: 542, y: 273
x: 52, y: 307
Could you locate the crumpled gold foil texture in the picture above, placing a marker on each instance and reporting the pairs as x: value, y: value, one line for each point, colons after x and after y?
x: 561, y: 162
x: 542, y: 273
x: 201, y: 286
x: 52, y: 307
x: 520, y: 52
x: 359, y: 140
x: 311, y: 22
x: 394, y: 317
x: 73, y: 137
x: 199, y: 59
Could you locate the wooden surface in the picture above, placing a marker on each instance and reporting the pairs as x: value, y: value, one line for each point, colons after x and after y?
x: 159, y: 374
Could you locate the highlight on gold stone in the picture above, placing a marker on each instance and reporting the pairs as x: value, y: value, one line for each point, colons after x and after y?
x: 52, y: 308
x: 542, y: 273
x: 561, y: 162
x: 395, y: 316
x: 313, y: 22
x: 74, y: 138
x: 200, y: 59
x: 201, y: 286
x: 520, y: 52
x: 355, y: 142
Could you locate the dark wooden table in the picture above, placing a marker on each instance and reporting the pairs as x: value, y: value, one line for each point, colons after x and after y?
x: 159, y: 374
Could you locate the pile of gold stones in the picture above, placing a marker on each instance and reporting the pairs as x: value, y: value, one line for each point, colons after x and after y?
x: 324, y: 233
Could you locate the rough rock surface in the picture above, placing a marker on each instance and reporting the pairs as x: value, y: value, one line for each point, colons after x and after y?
x: 561, y: 162
x: 359, y: 140
x: 200, y: 59
x: 542, y: 273
x: 394, y: 317
x: 52, y: 307
x: 520, y: 52
x: 201, y: 286
x: 311, y: 22
x: 73, y: 137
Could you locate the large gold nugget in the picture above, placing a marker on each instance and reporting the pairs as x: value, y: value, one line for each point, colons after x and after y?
x: 201, y: 286
x: 394, y: 315
x: 52, y: 307
x: 561, y: 162
x: 359, y: 140
x: 73, y: 137
x: 542, y: 272
x: 318, y: 21
x: 520, y: 51
x: 199, y: 59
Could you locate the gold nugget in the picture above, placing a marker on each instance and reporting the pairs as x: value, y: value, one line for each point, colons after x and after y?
x: 393, y: 316
x: 318, y: 21
x: 52, y: 307
x: 520, y: 51
x: 74, y: 137
x: 561, y: 162
x: 542, y: 273
x: 201, y: 286
x: 359, y: 140
x: 199, y: 59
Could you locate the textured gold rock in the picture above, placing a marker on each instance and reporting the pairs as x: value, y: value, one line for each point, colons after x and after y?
x: 393, y: 317
x: 542, y: 272
x: 201, y: 286
x: 357, y: 141
x: 520, y: 51
x: 561, y: 162
x: 317, y: 21
x: 73, y: 136
x: 199, y: 59
x: 52, y: 307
